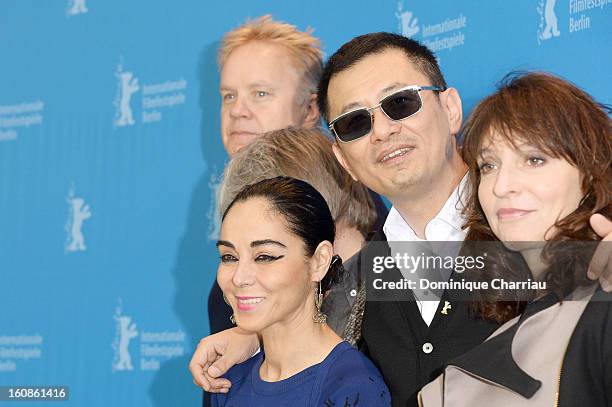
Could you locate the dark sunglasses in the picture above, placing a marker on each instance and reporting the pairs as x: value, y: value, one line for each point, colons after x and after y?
x: 399, y: 105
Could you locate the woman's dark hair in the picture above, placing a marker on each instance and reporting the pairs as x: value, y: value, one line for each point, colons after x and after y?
x: 304, y: 211
x: 564, y: 122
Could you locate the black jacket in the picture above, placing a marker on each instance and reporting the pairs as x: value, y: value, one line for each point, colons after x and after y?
x: 409, y: 353
x: 586, y: 378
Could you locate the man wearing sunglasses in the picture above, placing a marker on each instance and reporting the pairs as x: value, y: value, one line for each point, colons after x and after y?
x: 396, y: 122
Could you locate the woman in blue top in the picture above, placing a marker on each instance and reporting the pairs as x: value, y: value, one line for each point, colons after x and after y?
x: 276, y: 264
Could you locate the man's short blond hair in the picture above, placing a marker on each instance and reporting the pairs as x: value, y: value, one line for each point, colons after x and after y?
x: 304, y: 49
x: 307, y: 155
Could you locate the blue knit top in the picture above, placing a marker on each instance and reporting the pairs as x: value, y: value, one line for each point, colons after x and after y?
x: 345, y: 378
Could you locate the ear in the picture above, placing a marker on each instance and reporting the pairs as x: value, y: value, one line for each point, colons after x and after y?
x: 451, y: 103
x: 321, y: 260
x: 313, y: 116
x: 342, y: 160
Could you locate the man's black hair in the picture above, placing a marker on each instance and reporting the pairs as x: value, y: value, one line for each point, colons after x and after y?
x: 360, y: 47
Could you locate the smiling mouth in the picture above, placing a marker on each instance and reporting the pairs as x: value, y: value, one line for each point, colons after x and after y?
x: 396, y: 153
x: 248, y: 304
x: 250, y: 301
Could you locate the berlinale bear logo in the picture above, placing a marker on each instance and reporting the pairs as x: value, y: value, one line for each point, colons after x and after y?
x: 124, y: 333
x: 127, y: 85
x: 78, y: 213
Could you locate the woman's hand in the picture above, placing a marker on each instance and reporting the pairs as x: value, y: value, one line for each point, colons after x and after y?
x: 601, y: 263
x: 217, y: 353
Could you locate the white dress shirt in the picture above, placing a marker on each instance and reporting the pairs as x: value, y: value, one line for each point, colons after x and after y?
x: 445, y: 226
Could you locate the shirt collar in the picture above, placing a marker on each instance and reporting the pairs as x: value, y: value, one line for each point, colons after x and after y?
x: 445, y: 226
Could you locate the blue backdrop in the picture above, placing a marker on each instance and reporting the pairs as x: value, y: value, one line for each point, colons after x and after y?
x: 110, y: 154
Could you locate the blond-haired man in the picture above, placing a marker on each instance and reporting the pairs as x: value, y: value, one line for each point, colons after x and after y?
x: 269, y: 75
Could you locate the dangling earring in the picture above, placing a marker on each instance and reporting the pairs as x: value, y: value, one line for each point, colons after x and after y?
x: 232, y: 317
x: 319, y: 317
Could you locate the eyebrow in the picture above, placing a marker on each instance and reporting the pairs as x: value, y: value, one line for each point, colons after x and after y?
x: 393, y: 86
x: 265, y: 242
x: 261, y: 84
x: 256, y: 84
x: 254, y: 243
x: 225, y: 243
x: 519, y: 147
x: 351, y: 106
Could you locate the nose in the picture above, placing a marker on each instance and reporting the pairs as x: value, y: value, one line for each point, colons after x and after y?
x: 507, y: 182
x: 240, y: 108
x: 244, y: 274
x: 382, y: 126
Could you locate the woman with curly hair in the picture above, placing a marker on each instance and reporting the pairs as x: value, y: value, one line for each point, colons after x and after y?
x: 539, y: 152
